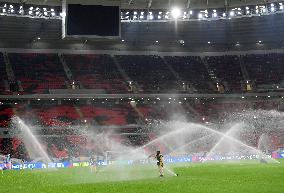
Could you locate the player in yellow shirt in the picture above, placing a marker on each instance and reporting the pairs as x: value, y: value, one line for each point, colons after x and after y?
x: 160, y: 162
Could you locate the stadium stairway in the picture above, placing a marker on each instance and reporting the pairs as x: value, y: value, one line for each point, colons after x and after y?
x: 66, y: 68
x: 243, y: 68
x: 210, y: 71
x: 9, y: 69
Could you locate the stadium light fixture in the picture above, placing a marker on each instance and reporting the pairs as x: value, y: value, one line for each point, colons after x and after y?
x: 176, y: 13
x: 185, y: 15
x: 150, y: 16
x: 281, y: 7
x: 142, y: 15
x: 206, y: 13
x: 4, y: 8
x: 214, y: 15
x: 52, y: 12
x: 182, y: 42
x: 160, y: 15
x: 167, y: 15
x: 239, y: 12
x: 272, y: 8
x: 256, y: 10
x: 21, y: 9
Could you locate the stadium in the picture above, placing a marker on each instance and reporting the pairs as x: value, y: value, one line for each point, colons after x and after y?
x: 142, y: 96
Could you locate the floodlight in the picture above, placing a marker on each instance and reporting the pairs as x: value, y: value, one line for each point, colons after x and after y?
x: 272, y: 8
x: 214, y: 13
x: 281, y: 6
x: 21, y: 9
x: 184, y: 15
x: 176, y: 12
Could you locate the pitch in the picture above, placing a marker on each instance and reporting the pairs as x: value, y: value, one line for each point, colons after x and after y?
x: 243, y: 177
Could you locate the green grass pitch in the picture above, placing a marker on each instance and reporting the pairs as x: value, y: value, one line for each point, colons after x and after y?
x: 241, y: 177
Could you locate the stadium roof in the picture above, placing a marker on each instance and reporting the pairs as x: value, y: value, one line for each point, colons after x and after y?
x: 163, y: 4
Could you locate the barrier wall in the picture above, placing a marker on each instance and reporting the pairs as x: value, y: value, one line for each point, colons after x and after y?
x: 167, y: 159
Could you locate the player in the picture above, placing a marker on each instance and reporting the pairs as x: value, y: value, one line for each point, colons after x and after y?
x: 7, y: 163
x: 93, y: 164
x: 22, y: 164
x: 160, y: 162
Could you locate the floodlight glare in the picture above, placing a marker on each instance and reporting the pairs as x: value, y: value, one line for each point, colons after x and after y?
x: 176, y: 12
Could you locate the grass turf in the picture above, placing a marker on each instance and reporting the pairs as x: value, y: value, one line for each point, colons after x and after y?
x: 243, y: 177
